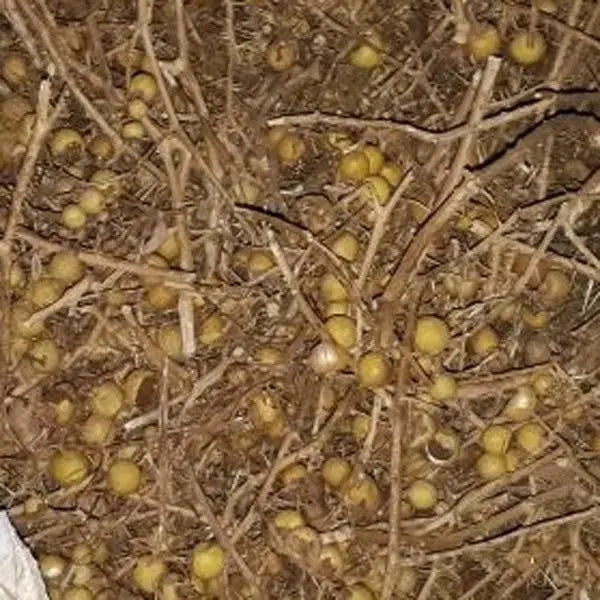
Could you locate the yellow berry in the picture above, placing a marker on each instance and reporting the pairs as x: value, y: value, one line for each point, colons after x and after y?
x: 484, y: 341
x: 365, y: 56
x: 107, y: 400
x: 169, y: 340
x: 345, y: 246
x: 353, y: 166
x: 374, y: 370
x: 491, y: 466
x: 66, y: 266
x: 431, y: 335
x: 332, y: 289
x: 295, y: 472
x: 143, y: 85
x: 336, y: 471
x: 375, y: 158
x: 522, y: 404
x: 124, y: 477
x: 376, y: 189
x: 101, y: 147
x: 289, y: 520
x: 78, y: 592
x: 392, y: 173
x: 555, y: 287
x: 64, y: 140
x: 68, y: 467
x: 137, y: 109
x: 170, y: 248
x: 208, y: 561
x: 161, y: 297
x: 342, y: 330
x: 422, y: 495
x: 531, y: 437
x: 14, y: 70
x: 73, y: 217
x: 484, y: 41
x: 211, y: 330
x: 259, y: 262
x: 528, y: 48
x: 133, y: 130
x: 361, y: 425
x: 92, y: 201
x: 359, y: 592
x: 361, y: 491
x: 291, y: 148
x: 495, y: 439
x: 148, y: 572
x: 46, y: 291
x: 96, y: 429
x: 443, y: 388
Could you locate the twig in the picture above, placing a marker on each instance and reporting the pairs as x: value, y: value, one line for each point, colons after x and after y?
x: 224, y: 539
x: 488, y: 543
x: 95, y: 259
x: 449, y: 199
x: 292, y: 283
x: 434, y: 137
x: 383, y: 216
x: 69, y: 298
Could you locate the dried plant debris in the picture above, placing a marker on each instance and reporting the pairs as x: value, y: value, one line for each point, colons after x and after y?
x: 300, y: 299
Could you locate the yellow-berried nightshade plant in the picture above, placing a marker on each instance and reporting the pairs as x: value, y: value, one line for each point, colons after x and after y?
x: 555, y: 287
x: 96, y: 429
x: 91, y: 201
x: 392, y: 173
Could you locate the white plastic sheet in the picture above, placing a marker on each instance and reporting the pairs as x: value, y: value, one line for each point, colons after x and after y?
x: 20, y: 578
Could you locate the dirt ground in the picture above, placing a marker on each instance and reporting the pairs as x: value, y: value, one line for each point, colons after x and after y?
x: 207, y: 278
